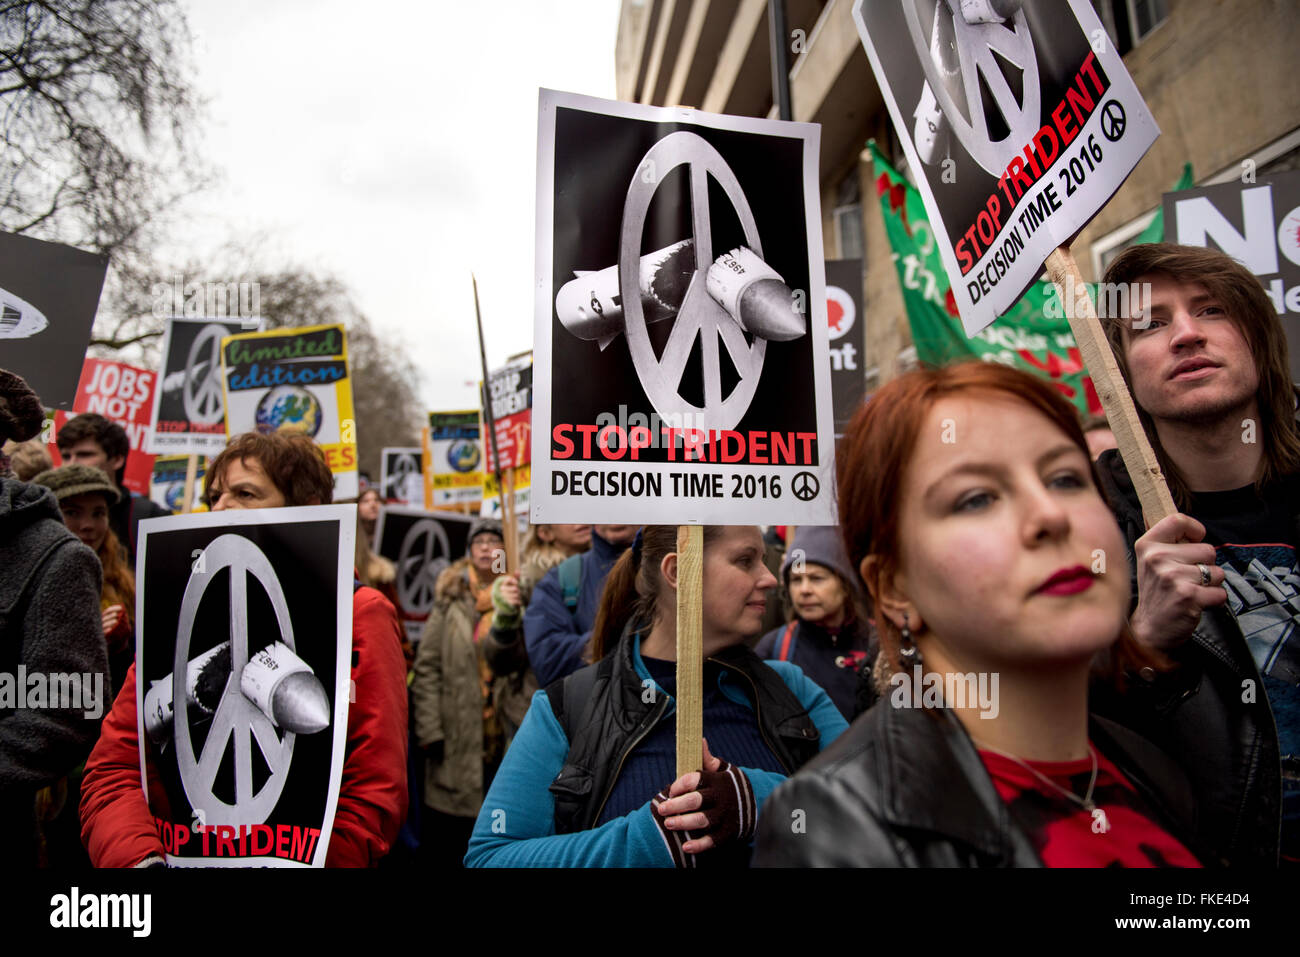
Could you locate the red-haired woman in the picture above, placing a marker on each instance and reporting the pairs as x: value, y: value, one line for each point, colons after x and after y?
x: 970, y: 506
x: 589, y: 778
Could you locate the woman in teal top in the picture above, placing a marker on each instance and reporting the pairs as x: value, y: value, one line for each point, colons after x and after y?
x: 589, y: 778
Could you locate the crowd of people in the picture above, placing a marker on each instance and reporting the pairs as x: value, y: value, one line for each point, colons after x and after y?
x: 990, y: 661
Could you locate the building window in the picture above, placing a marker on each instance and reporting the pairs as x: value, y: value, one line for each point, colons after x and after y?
x: 1144, y: 16
x: 848, y: 231
x: 1111, y: 245
x: 849, y: 237
x: 1130, y: 21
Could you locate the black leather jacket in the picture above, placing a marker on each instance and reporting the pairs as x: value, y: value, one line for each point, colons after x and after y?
x: 1210, y: 714
x: 905, y: 787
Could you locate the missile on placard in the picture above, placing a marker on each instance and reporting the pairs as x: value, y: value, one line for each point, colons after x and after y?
x: 205, y: 679
x: 590, y: 306
x: 283, y: 686
x: 756, y: 296
x: 19, y: 319
x: 989, y: 11
x: 279, y: 683
x: 177, y: 379
x: 751, y: 292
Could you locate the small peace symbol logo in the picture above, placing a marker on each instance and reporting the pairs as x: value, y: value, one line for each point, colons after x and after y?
x: 805, y: 486
x: 1113, y: 120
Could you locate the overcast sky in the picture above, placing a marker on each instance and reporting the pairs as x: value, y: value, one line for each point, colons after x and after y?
x: 393, y: 146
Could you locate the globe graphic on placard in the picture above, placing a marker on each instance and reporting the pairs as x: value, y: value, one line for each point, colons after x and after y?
x: 463, y: 455
x: 175, y: 492
x: 291, y: 408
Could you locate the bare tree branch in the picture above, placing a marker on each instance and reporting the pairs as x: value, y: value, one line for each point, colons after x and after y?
x: 123, y: 343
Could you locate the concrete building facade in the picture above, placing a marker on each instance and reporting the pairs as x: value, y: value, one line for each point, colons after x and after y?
x: 1215, y: 74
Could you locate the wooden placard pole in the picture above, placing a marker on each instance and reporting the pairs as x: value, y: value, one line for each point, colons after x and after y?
x: 509, y: 527
x: 485, y: 401
x: 1139, y: 458
x: 690, y: 648
x: 191, y: 475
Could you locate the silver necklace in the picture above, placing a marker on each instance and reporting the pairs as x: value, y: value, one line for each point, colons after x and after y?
x: 1100, y: 823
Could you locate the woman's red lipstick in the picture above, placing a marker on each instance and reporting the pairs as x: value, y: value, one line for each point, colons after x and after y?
x: 1067, y: 581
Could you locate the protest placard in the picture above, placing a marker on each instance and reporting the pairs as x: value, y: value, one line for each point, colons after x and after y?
x: 421, y: 545
x: 510, y: 391
x: 167, y: 483
x: 125, y: 394
x: 490, y: 507
x: 294, y: 379
x: 1018, y: 128
x: 49, y: 294
x: 189, y: 412
x: 453, y: 459
x: 401, y: 474
x: 1258, y: 224
x: 681, y: 364
x: 845, y: 326
x: 244, y: 641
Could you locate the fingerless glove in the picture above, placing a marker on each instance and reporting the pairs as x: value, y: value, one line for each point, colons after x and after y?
x: 728, y: 804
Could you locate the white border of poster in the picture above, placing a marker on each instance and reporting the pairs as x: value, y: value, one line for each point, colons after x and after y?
x: 667, y: 507
x: 346, y: 517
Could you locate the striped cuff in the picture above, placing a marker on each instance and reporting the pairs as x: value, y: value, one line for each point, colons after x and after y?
x: 673, y: 840
x: 747, y: 818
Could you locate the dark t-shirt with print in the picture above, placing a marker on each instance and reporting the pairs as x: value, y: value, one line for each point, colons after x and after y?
x: 1122, y: 830
x: 1255, y: 538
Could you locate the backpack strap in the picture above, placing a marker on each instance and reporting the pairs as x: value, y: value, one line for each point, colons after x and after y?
x: 787, y: 643
x: 570, y: 574
x: 568, y: 698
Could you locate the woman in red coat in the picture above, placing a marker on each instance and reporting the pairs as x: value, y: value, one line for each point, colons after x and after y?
x: 269, y: 471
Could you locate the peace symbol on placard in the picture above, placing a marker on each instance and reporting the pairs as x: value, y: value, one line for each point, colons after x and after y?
x: 424, y: 554
x: 976, y: 46
x: 805, y: 486
x: 699, y: 315
x: 1113, y: 120
x: 237, y: 721
x: 201, y: 392
x: 404, y: 466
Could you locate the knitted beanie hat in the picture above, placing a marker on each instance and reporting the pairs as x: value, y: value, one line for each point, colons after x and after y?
x: 483, y: 526
x: 21, y: 414
x: 69, y: 480
x: 822, y: 545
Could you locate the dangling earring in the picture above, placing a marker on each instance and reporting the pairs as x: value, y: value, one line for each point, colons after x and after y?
x: 908, y: 653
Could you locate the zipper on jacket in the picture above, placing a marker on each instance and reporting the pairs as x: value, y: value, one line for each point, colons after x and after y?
x: 645, y: 729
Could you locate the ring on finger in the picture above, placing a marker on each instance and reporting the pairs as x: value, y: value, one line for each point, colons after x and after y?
x: 1205, y: 573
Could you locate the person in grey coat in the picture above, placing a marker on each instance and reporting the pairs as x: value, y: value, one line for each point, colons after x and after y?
x: 50, y: 631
